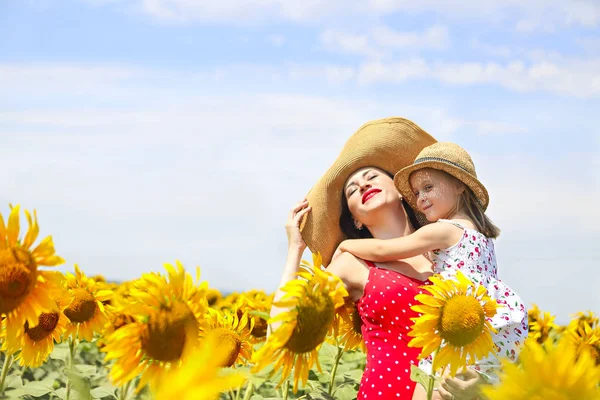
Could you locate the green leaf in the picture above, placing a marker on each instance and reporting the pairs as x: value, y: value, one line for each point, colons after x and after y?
x: 37, y: 389
x: 86, y: 369
x: 345, y: 392
x: 61, y: 393
x: 419, y: 376
x: 14, y: 381
x: 355, y: 375
x: 103, y: 391
x: 60, y: 353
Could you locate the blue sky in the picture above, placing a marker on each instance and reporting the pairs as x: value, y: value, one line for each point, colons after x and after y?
x: 145, y: 131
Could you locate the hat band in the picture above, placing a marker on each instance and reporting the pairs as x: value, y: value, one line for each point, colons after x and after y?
x: 424, y: 159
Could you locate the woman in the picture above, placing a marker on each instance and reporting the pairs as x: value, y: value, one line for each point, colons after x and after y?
x: 357, y: 198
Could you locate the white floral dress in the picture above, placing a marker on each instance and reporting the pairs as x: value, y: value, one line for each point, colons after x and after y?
x: 475, y: 257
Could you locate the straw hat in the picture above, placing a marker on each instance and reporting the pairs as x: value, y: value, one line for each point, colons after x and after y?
x: 389, y: 144
x: 447, y: 157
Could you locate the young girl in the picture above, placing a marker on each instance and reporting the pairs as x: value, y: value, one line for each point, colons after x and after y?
x: 443, y: 186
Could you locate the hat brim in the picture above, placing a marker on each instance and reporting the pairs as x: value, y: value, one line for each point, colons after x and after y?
x: 402, y: 182
x: 389, y: 144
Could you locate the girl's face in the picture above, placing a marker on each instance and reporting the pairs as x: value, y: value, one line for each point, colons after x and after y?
x: 437, y: 193
x: 368, y: 189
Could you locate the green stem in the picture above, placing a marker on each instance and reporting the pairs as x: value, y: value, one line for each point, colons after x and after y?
x: 72, y: 346
x: 124, y: 391
x: 285, y: 390
x: 249, y: 391
x: 430, y: 389
x: 8, y: 359
x: 338, y: 356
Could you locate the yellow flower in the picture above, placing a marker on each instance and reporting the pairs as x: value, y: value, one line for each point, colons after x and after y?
x: 541, y: 324
x: 587, y: 338
x: 253, y: 302
x: 347, y: 328
x: 169, y: 313
x: 25, y: 291
x: 557, y: 374
x: 233, y: 336
x: 455, y: 320
x: 200, y: 377
x: 37, y: 342
x: 311, y: 302
x: 86, y: 312
x: 213, y: 296
x: 580, y: 319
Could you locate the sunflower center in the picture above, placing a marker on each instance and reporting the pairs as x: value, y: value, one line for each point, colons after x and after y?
x: 260, y: 328
x: 165, y: 336
x: 46, y: 324
x: 17, y: 278
x: 314, y: 317
x: 462, y: 320
x: 229, y: 344
x: 82, y: 308
x: 356, y: 321
x: 122, y: 320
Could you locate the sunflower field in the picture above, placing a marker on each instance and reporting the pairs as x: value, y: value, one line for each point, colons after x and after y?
x: 170, y: 335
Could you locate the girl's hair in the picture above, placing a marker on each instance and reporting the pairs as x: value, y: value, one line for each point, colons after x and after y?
x: 352, y: 232
x: 469, y: 204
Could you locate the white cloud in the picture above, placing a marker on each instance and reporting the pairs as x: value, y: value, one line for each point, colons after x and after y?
x: 435, y: 37
x: 348, y: 43
x: 277, y: 40
x: 579, y: 78
x: 533, y: 14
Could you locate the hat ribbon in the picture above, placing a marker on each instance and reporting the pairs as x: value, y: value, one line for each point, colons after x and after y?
x: 424, y: 159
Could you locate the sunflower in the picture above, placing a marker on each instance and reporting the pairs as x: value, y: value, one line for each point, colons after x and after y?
x: 555, y: 374
x: 213, y: 296
x: 541, y: 324
x: 233, y: 335
x: 588, y: 339
x: 347, y: 328
x: 581, y: 319
x: 86, y: 313
x: 455, y: 320
x: 257, y: 304
x: 200, y: 377
x: 311, y: 302
x: 25, y: 291
x: 37, y: 342
x: 169, y: 313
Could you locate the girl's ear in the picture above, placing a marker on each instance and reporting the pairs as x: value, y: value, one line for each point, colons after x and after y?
x: 358, y: 225
x: 460, y: 187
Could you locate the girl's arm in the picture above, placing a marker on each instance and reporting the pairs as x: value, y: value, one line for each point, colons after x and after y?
x: 428, y: 238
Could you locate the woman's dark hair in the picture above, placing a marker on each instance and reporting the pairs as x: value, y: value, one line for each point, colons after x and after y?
x: 347, y: 221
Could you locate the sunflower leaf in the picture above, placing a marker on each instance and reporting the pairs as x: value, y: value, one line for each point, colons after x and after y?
x: 60, y: 353
x: 103, y: 391
x: 14, y: 381
x: 419, y: 376
x: 37, y: 389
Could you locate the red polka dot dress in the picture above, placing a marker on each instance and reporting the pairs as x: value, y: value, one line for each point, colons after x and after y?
x: 385, y: 312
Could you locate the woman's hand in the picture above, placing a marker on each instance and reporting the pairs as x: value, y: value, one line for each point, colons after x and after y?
x: 292, y: 225
x: 466, y: 388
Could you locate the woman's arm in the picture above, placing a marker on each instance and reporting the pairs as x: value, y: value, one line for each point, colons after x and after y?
x: 296, y: 246
x: 430, y: 237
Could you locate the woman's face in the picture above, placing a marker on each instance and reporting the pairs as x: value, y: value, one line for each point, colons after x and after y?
x: 368, y: 189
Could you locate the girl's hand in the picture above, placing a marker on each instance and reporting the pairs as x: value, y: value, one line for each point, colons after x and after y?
x: 292, y: 225
x: 466, y: 388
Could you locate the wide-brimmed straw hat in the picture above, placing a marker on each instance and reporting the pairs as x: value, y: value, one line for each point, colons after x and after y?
x: 447, y: 157
x: 389, y: 144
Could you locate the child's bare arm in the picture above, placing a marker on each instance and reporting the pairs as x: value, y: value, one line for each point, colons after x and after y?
x: 430, y: 237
